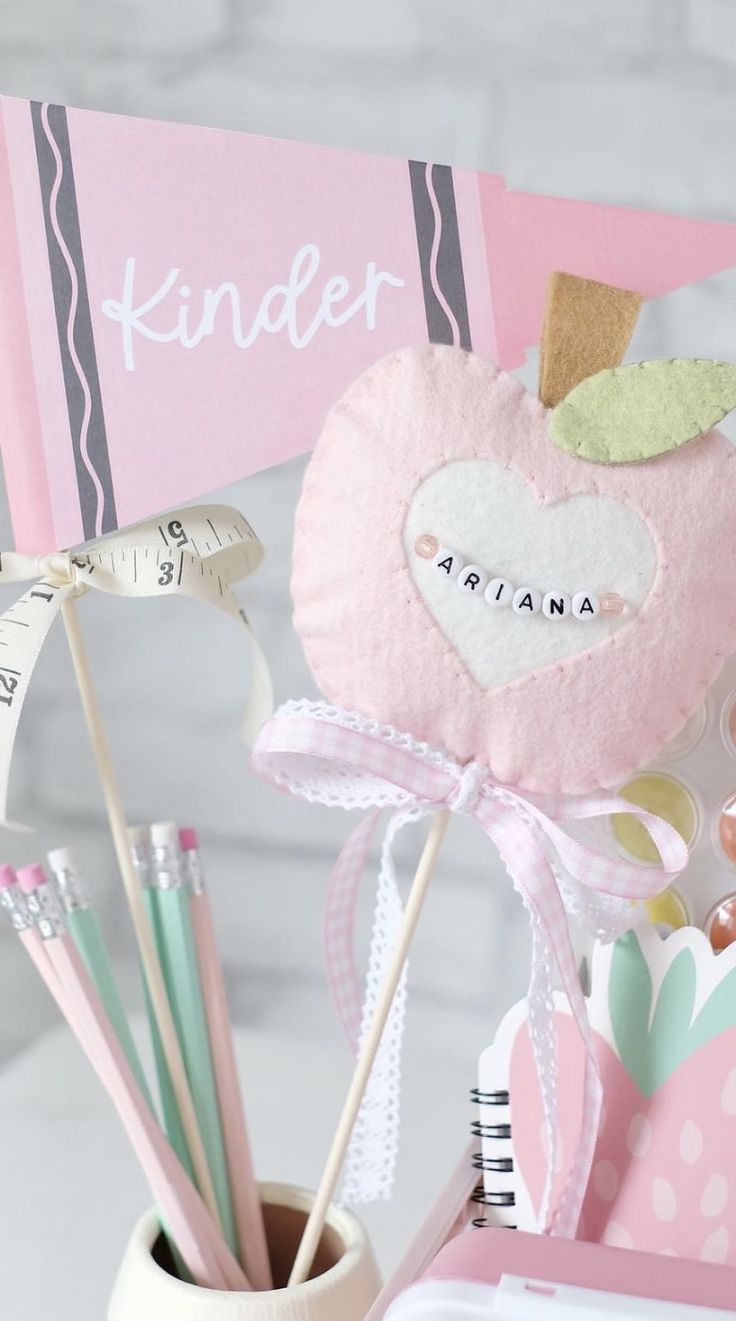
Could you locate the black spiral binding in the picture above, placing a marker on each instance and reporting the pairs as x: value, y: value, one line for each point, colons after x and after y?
x: 501, y: 1165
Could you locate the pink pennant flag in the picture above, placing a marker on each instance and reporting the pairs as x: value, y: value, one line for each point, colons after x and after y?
x: 180, y: 306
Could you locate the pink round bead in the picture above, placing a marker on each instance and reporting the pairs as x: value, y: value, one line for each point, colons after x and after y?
x: 426, y: 546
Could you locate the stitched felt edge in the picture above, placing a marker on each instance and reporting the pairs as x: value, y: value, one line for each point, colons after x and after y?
x: 693, y: 689
x: 585, y: 424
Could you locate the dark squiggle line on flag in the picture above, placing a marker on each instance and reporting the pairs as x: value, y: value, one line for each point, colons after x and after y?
x: 74, y: 326
x: 433, y: 274
x: 440, y: 258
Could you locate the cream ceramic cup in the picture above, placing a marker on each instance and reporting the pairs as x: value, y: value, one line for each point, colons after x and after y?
x: 344, y: 1284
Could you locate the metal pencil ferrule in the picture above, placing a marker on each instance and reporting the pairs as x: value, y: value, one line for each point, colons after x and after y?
x: 193, y: 874
x: 166, y: 868
x: 140, y: 856
x: 13, y: 901
x: 73, y: 895
x: 44, y: 908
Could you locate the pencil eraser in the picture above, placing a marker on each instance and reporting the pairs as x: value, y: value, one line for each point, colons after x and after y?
x: 188, y: 839
x: 139, y: 836
x: 7, y: 876
x: 30, y: 877
x: 61, y: 859
x: 165, y: 834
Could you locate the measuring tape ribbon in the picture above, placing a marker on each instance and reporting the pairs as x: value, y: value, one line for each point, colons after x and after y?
x: 199, y: 552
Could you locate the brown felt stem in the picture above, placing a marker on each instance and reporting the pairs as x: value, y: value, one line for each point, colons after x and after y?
x: 587, y: 328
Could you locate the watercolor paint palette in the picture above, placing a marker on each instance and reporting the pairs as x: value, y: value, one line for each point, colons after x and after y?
x: 693, y: 786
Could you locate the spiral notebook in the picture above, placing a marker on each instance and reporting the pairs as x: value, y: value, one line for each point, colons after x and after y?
x: 663, y: 1020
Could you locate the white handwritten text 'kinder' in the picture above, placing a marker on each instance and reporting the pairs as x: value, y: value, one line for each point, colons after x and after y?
x: 279, y: 309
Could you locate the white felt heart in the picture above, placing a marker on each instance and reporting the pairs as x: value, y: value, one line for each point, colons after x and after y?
x: 488, y: 513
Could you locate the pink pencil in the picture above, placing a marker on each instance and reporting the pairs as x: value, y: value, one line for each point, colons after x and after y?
x: 243, y: 1186
x: 207, y: 1257
x: 449, y: 1215
x: 11, y: 899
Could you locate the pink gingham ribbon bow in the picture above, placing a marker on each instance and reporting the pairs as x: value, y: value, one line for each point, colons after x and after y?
x: 341, y: 759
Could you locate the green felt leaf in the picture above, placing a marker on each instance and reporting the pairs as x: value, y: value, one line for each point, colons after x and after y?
x: 633, y: 413
x: 652, y: 1046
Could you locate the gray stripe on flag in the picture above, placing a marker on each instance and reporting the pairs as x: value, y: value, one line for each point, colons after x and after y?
x: 97, y: 508
x: 449, y: 267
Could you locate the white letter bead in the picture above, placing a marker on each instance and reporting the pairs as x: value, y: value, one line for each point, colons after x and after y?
x: 448, y: 562
x: 473, y: 579
x: 499, y: 592
x: 527, y: 601
x: 585, y: 605
x: 556, y: 605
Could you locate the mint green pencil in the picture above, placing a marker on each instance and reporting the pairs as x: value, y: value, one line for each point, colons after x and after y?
x: 140, y: 848
x: 178, y: 956
x: 84, y: 928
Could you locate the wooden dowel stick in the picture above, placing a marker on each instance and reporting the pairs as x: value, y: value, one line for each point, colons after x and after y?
x: 151, y: 966
x: 331, y: 1173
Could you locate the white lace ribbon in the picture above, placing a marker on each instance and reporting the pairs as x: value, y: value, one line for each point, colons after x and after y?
x: 340, y: 758
x: 199, y: 552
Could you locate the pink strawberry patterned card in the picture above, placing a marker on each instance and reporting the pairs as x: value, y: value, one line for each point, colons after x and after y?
x: 663, y: 1020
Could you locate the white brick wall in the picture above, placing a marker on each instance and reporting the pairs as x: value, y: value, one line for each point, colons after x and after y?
x: 617, y: 100
x: 658, y: 142
x: 711, y: 28
x: 80, y: 30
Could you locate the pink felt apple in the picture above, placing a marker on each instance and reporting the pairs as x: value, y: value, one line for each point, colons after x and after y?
x: 435, y: 448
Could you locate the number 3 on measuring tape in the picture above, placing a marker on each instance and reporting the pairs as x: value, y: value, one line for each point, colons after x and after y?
x: 205, y: 551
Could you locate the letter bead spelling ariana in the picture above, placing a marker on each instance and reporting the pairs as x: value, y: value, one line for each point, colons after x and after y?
x: 498, y: 592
